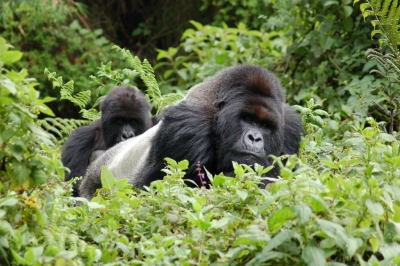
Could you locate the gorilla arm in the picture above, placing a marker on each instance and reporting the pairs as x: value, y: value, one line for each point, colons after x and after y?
x: 77, y: 151
x: 126, y: 159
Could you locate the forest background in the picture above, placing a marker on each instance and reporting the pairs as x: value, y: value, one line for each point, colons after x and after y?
x: 339, y: 64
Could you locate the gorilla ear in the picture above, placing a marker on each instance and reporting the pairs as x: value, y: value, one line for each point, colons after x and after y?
x: 219, y: 104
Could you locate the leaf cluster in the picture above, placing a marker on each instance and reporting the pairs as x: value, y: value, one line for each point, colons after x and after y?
x: 55, y: 35
x: 28, y: 155
x: 338, y: 206
x: 386, y: 23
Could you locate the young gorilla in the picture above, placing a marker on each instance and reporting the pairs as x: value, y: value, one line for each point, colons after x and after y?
x: 125, y: 114
x: 239, y: 115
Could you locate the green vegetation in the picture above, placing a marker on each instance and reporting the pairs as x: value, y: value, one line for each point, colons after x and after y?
x: 337, y: 203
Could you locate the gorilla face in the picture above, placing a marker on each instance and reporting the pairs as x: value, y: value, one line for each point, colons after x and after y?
x: 125, y: 114
x: 249, y: 124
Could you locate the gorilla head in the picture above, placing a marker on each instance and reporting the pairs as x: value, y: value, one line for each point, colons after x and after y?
x: 125, y: 114
x: 249, y: 122
x: 239, y: 115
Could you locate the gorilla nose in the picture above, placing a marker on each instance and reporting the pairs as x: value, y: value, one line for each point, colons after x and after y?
x: 253, y: 140
x: 127, y: 134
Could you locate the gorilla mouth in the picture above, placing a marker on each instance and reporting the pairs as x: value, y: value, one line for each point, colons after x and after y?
x: 249, y: 154
x: 249, y: 157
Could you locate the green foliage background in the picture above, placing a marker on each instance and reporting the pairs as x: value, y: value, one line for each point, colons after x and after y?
x: 337, y: 202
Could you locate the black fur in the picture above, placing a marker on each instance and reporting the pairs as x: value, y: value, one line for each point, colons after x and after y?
x: 208, y: 133
x: 125, y: 113
x: 237, y: 115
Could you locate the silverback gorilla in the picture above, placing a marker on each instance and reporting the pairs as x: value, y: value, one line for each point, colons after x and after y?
x: 125, y: 113
x: 239, y: 115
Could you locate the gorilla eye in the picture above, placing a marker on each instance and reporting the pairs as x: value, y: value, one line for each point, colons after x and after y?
x: 119, y: 121
x: 247, y: 118
x: 220, y: 105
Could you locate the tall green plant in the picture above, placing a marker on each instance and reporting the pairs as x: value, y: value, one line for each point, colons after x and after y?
x: 27, y: 154
x: 386, y: 22
x: 22, y: 163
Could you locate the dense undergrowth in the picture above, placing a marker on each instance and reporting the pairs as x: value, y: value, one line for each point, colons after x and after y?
x: 337, y: 202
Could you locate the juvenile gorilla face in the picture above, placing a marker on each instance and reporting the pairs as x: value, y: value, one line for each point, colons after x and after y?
x: 125, y: 114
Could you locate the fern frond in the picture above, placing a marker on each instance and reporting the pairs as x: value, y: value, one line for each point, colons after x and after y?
x: 387, y: 14
x: 91, y: 114
x: 146, y: 73
x: 60, y: 127
x: 171, y: 98
x: 67, y: 90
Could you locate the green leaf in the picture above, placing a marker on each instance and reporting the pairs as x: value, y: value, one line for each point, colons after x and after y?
x: 286, y: 173
x: 321, y: 112
x: 8, y: 202
x: 329, y: 3
x: 393, y: 160
x: 330, y: 164
x: 171, y: 162
x: 107, y: 178
x: 95, y: 205
x: 9, y: 57
x: 221, y: 223
x: 386, y: 137
x: 242, y: 194
x: 302, y: 213
x: 364, y: 6
x: 352, y: 245
x: 374, y: 243
x: 221, y: 59
x: 161, y: 54
x: 348, y: 10
x: 277, y: 219
x: 3, y: 46
x: 197, y: 25
x: 183, y: 165
x: 21, y: 171
x: 266, y: 256
x: 375, y: 208
x: 317, y: 203
x: 313, y: 256
x: 374, y: 32
x: 279, y: 239
x: 238, y: 169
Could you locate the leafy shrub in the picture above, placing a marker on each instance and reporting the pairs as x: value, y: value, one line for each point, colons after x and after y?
x: 28, y: 156
x: 339, y: 207
x: 232, y: 11
x: 316, y: 47
x: 50, y: 35
x: 207, y: 49
x: 386, y: 20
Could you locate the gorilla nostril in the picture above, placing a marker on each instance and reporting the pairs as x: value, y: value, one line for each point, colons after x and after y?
x: 127, y: 134
x: 254, y: 137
